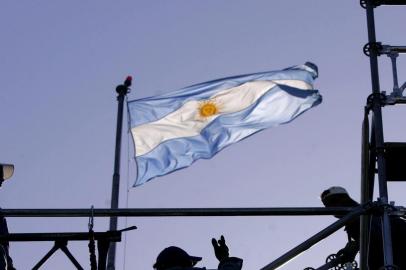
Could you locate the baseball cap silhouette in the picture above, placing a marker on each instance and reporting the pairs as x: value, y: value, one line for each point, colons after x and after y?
x: 337, y: 196
x: 174, y: 256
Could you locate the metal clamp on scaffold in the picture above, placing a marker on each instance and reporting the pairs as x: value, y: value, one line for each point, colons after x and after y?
x: 364, y: 3
x: 379, y: 207
x: 380, y: 49
x: 336, y: 262
x: 379, y: 98
x: 372, y: 47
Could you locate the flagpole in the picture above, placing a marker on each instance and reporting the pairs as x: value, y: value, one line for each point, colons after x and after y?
x: 122, y: 91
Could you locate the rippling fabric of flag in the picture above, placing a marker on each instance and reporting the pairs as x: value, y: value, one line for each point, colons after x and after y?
x: 173, y: 130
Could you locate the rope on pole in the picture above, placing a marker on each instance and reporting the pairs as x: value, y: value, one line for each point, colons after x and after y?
x: 92, y: 245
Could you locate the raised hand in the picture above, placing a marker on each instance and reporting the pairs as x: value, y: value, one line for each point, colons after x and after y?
x: 220, y: 248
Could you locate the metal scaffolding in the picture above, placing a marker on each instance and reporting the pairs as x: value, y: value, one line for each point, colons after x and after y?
x: 378, y: 157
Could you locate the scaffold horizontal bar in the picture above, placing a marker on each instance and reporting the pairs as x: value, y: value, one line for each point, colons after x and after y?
x: 392, y: 2
x: 112, y: 236
x: 173, y: 212
x: 393, y: 49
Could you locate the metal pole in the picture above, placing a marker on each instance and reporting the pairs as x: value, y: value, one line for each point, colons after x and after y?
x: 315, y: 239
x: 366, y: 194
x: 377, y: 119
x: 393, y: 57
x: 122, y: 91
x: 173, y: 212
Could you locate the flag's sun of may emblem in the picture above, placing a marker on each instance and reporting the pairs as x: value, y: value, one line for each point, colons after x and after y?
x: 208, y: 108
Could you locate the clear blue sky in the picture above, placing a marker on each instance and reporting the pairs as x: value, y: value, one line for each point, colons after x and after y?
x: 61, y: 60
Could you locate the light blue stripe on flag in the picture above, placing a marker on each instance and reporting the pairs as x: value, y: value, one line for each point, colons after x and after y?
x: 171, y: 131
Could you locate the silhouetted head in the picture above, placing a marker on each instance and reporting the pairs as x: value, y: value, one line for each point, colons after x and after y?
x: 174, y: 257
x: 337, y: 197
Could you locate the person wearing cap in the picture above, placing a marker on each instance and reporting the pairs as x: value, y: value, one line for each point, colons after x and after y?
x: 339, y: 197
x: 175, y: 258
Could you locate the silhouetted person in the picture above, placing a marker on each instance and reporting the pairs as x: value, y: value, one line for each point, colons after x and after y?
x: 6, y: 263
x: 175, y: 258
x: 338, y: 197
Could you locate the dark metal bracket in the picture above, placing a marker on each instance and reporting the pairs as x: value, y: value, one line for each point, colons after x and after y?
x: 376, y: 3
x: 376, y: 98
x: 61, y: 241
x: 376, y: 48
x: 62, y: 245
x: 372, y: 47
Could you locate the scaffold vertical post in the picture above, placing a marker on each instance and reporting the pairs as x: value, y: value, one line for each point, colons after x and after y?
x: 377, y: 104
x: 366, y: 194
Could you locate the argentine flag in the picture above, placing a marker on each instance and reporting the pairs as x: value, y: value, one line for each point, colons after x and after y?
x: 171, y: 131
